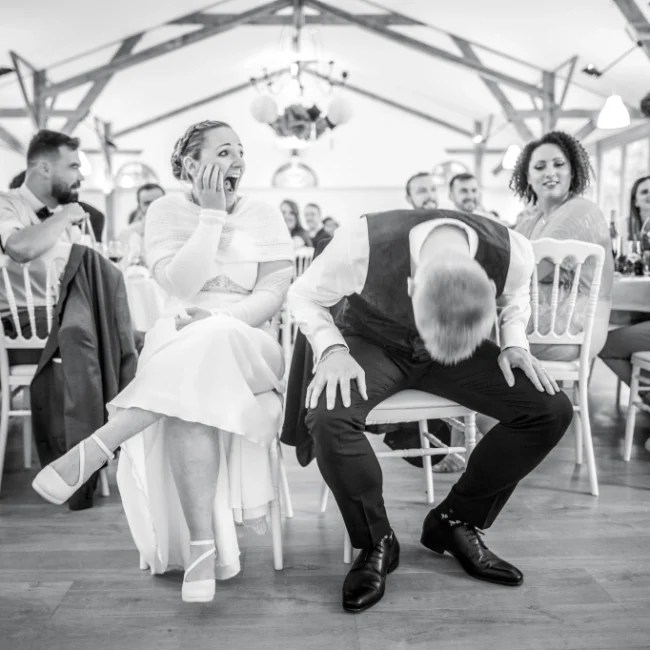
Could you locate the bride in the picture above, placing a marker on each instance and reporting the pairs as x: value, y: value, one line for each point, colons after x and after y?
x: 196, y: 422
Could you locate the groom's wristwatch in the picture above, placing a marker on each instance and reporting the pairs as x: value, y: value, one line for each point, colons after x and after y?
x: 332, y: 350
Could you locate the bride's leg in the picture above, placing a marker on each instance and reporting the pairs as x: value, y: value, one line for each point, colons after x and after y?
x: 123, y: 425
x: 193, y: 451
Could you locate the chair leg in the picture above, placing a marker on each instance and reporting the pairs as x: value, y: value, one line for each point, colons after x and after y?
x: 27, y: 430
x: 631, y: 413
x: 5, y: 406
x: 276, y: 517
x: 618, y: 392
x: 591, y: 370
x: 570, y: 386
x: 103, y: 482
x: 426, y: 461
x: 347, y: 549
x: 470, y: 434
x: 586, y: 437
x: 324, y: 496
x: 285, y: 500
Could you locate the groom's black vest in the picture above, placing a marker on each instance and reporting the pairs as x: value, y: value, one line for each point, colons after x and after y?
x: 383, y: 312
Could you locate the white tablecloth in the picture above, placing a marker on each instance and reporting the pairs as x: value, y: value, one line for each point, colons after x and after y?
x: 146, y: 300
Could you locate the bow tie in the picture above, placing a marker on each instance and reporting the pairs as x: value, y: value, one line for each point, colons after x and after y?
x: 44, y: 213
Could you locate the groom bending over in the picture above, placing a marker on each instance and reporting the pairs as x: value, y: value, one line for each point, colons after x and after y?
x: 422, y: 290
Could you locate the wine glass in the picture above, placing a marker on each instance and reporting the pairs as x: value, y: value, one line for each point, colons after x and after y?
x: 115, y: 252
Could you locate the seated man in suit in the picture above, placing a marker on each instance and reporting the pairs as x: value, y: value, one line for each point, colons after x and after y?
x: 39, y: 221
x: 421, y: 290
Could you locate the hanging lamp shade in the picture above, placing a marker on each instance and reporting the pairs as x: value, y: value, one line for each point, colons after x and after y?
x: 614, y: 114
x: 510, y: 157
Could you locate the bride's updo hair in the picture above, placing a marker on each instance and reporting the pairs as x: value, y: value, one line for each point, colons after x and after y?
x: 190, y: 144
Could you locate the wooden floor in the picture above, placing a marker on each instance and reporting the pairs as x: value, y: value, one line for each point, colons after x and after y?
x: 71, y: 580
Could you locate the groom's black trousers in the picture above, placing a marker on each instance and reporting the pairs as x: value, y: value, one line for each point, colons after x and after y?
x: 531, y: 425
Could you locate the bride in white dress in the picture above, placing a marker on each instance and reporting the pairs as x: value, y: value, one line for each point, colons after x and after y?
x: 196, y: 422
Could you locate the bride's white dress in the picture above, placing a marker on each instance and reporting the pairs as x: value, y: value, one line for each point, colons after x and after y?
x: 220, y: 372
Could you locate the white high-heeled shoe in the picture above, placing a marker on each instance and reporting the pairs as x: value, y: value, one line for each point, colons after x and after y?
x: 53, y: 488
x: 199, y: 591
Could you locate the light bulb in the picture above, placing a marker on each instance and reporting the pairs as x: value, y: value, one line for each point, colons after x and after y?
x: 510, y: 157
x: 614, y: 114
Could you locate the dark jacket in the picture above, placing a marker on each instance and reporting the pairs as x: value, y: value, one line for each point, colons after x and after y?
x: 319, y: 237
x: 294, y: 429
x: 93, y: 337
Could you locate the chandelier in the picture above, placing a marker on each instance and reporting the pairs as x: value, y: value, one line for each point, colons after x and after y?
x: 301, y: 104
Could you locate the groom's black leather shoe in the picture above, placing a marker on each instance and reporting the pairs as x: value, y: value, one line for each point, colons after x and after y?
x: 464, y: 542
x: 364, y: 586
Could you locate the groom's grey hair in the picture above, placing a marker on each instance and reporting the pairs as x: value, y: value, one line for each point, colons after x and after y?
x: 454, y: 306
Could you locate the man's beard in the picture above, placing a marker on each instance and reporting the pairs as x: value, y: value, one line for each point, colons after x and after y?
x: 470, y: 205
x: 65, y: 193
x: 431, y: 204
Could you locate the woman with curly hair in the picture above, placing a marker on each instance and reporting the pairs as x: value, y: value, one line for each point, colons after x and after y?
x: 196, y: 422
x: 552, y: 174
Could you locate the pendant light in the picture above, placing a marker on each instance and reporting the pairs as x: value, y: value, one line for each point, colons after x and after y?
x: 614, y: 114
x: 510, y: 157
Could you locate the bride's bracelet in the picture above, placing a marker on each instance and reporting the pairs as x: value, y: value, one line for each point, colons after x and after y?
x: 332, y: 350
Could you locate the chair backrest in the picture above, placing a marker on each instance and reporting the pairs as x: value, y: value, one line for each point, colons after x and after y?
x: 51, y: 297
x: 303, y: 258
x: 562, y: 255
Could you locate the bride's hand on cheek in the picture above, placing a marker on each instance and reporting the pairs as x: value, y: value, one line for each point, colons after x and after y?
x: 208, y: 187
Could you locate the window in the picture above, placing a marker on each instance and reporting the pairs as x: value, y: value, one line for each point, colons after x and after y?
x: 610, y: 186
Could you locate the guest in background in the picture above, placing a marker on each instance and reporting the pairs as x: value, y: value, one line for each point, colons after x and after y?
x: 330, y: 225
x: 639, y: 208
x: 96, y: 217
x: 291, y: 216
x: 133, y: 236
x: 39, y: 222
x: 553, y: 173
x: 421, y: 191
x: 465, y: 193
x: 146, y: 195
x: 623, y: 342
x: 90, y: 352
x: 314, y: 221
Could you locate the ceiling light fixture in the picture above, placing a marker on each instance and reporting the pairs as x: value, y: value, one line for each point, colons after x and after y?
x: 614, y: 114
x: 593, y: 71
x: 510, y: 157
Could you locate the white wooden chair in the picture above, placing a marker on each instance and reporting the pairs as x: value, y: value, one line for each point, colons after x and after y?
x: 288, y: 329
x: 281, y: 500
x: 578, y: 371
x: 638, y: 385
x: 302, y: 260
x: 417, y: 406
x: 16, y: 379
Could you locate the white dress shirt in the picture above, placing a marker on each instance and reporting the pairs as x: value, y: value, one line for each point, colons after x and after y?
x: 342, y: 268
x: 18, y: 210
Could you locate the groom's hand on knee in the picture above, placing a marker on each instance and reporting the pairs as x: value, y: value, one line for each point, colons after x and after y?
x: 338, y: 369
x: 515, y: 357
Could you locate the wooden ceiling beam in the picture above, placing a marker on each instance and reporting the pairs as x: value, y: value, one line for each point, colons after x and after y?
x: 281, y: 20
x: 425, y: 48
x: 172, y: 45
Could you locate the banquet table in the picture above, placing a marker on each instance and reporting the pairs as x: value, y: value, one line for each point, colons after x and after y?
x: 146, y: 298
x: 631, y: 293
